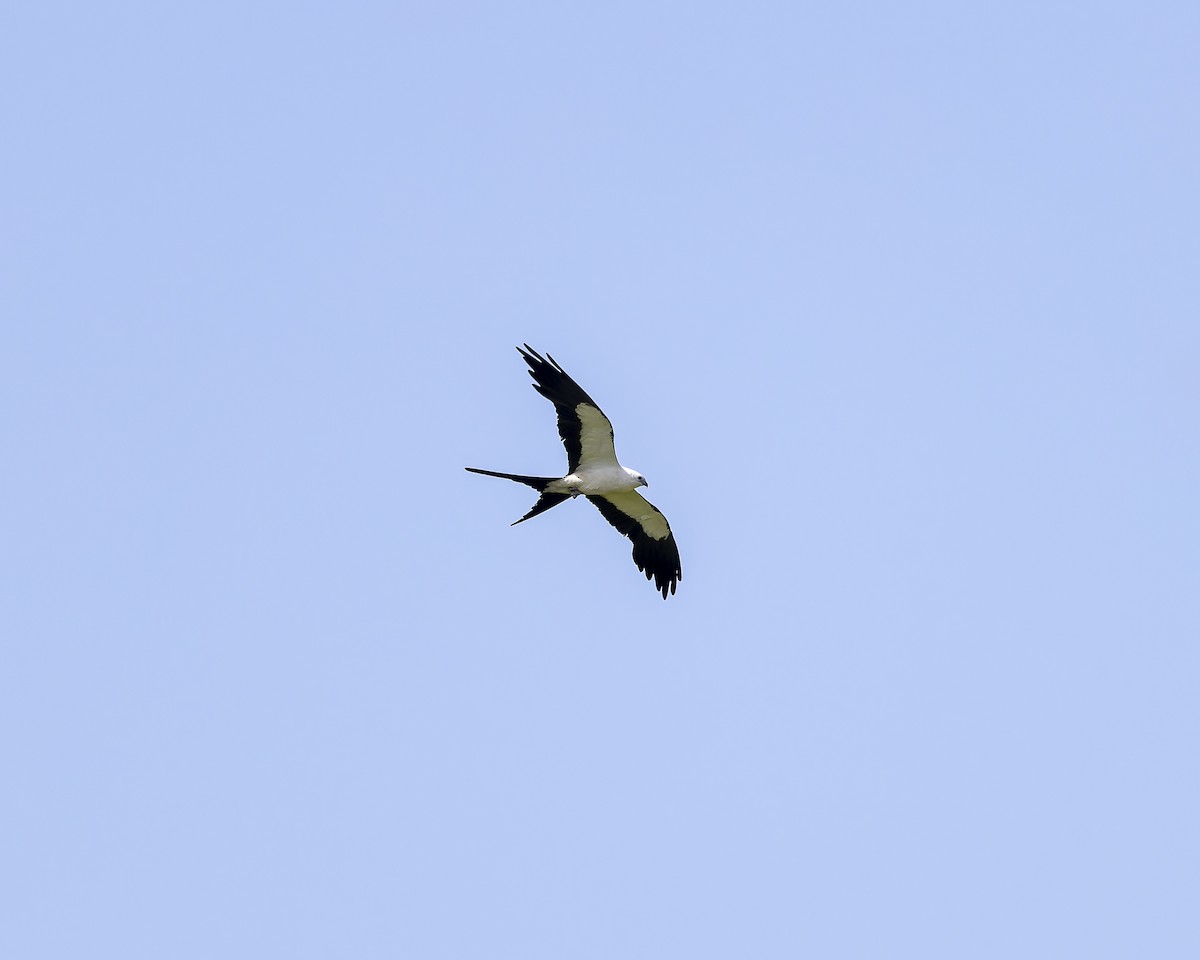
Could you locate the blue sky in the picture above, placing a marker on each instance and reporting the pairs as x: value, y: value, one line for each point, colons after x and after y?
x: 896, y: 307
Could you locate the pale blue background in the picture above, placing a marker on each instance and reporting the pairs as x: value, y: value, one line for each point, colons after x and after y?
x: 896, y: 305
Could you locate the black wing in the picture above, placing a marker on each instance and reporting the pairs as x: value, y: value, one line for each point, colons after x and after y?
x: 654, y: 548
x: 586, y: 432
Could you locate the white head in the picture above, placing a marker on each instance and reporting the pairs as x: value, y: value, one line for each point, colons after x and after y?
x: 634, y: 475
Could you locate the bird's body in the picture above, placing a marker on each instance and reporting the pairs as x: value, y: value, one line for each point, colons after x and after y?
x: 598, y: 480
x: 595, y: 472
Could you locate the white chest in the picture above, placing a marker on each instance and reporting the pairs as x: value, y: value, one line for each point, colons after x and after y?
x: 599, y: 480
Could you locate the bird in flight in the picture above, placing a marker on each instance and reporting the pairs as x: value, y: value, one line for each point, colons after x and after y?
x: 594, y: 471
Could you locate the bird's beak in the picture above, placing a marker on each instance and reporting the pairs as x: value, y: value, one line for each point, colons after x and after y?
x: 645, y: 482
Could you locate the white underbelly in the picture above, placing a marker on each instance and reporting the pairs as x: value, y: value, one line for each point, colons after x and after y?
x: 594, y: 482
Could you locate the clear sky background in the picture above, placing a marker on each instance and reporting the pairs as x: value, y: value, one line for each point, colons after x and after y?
x: 896, y: 305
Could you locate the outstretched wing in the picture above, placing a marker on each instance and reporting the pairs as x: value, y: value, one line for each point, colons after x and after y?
x: 654, y: 549
x: 585, y: 430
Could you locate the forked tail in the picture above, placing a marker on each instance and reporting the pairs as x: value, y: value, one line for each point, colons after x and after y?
x: 545, y: 501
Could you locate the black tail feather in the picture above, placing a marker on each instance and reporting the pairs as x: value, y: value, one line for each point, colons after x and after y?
x: 538, y: 483
x: 545, y: 502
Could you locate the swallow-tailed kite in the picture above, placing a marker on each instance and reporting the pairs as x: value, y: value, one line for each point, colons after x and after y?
x: 593, y: 470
